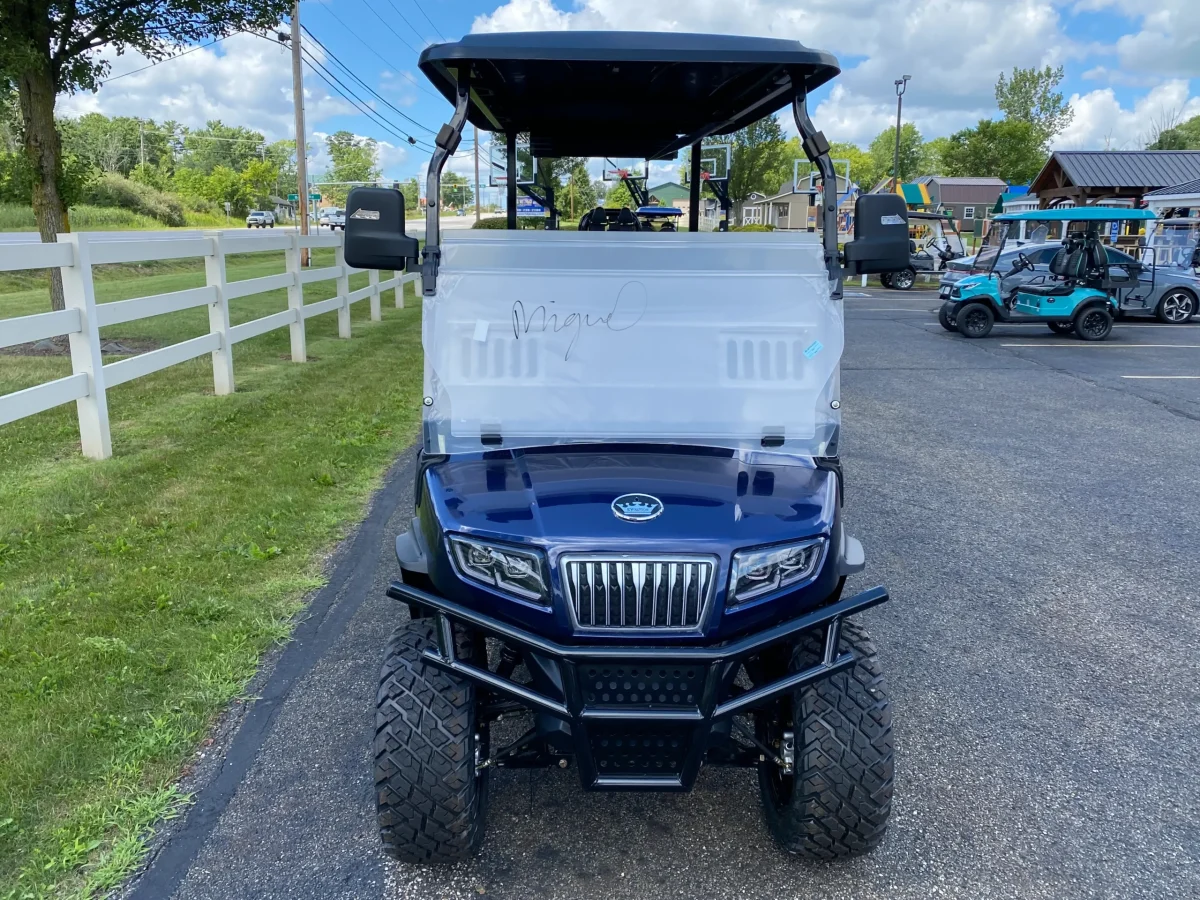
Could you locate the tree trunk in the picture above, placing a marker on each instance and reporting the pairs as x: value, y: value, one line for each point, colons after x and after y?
x: 43, y: 149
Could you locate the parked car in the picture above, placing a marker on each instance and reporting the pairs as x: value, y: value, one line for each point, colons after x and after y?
x: 260, y: 218
x: 333, y: 217
x: 1010, y: 277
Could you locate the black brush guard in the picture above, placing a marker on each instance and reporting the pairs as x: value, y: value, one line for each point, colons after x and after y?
x: 650, y: 730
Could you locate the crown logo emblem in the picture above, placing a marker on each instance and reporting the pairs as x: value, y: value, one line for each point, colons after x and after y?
x: 637, y: 507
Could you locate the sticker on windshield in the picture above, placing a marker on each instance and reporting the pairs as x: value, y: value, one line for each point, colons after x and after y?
x: 372, y: 214
x: 891, y: 220
x: 813, y: 349
x: 481, y: 330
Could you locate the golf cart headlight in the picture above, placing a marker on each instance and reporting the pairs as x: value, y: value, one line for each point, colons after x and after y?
x: 517, y: 572
x: 956, y: 292
x: 758, y: 572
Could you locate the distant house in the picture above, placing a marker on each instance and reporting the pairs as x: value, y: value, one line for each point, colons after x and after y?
x: 1180, y: 200
x: 792, y: 208
x: 1083, y: 177
x: 670, y: 193
x: 965, y: 199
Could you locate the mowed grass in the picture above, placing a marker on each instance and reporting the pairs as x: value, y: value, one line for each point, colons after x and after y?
x: 138, y: 594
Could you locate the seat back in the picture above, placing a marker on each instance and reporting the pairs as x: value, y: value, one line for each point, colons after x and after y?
x: 594, y: 220
x: 1058, y: 264
x: 626, y: 221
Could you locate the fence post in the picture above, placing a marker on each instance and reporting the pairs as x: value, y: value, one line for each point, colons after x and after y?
x: 296, y: 302
x: 343, y: 289
x: 376, y: 313
x: 218, y: 316
x: 400, y: 273
x: 79, y: 293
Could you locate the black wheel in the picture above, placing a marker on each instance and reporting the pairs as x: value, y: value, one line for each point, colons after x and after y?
x: 904, y: 279
x: 1093, y: 323
x: 945, y: 319
x: 1061, y: 327
x: 430, y: 798
x: 1176, y: 307
x: 837, y: 801
x: 886, y: 279
x: 975, y: 320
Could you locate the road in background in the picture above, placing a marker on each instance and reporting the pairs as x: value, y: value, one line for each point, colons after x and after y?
x: 414, y: 227
x: 1033, y: 514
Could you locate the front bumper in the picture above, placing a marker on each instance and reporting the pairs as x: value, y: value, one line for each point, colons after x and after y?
x: 637, y: 717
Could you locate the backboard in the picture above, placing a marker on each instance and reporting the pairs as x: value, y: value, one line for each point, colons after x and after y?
x: 624, y: 167
x: 715, y: 163
x: 810, y: 179
x: 498, y: 162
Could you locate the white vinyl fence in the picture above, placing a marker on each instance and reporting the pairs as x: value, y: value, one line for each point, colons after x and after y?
x: 75, y: 255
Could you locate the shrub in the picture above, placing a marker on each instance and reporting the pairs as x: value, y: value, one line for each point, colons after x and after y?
x: 500, y: 223
x: 752, y: 228
x: 111, y: 189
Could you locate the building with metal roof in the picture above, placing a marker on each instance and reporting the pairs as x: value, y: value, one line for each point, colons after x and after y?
x: 1085, y: 176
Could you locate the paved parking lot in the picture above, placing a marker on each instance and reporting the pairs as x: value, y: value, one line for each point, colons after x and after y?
x: 1032, y: 504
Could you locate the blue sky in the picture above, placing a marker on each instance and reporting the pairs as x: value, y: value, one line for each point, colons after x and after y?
x: 1130, y: 64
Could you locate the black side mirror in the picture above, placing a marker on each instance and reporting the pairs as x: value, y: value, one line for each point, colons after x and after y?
x: 375, y: 237
x: 880, y: 235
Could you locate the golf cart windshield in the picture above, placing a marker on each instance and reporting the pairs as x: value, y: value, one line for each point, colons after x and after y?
x: 989, y: 253
x: 539, y: 338
x: 1174, y: 242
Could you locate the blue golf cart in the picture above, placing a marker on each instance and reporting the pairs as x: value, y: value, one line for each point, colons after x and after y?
x: 1079, y: 296
x: 666, y: 218
x: 628, y: 552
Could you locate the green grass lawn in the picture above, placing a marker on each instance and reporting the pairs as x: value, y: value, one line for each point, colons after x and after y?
x: 138, y: 594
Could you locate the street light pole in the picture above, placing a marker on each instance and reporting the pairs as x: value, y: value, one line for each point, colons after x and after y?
x: 476, y: 127
x: 901, y: 85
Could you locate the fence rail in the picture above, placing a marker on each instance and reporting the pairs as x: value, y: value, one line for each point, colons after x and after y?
x: 75, y: 255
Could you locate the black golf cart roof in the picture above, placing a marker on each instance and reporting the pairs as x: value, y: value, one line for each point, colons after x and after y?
x: 622, y: 93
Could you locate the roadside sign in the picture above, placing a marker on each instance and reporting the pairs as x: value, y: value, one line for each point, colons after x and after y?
x: 316, y: 198
x: 292, y: 198
x: 1114, y: 232
x: 529, y: 207
x: 227, y: 207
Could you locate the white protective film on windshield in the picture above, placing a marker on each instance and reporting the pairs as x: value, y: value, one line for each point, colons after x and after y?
x: 539, y: 338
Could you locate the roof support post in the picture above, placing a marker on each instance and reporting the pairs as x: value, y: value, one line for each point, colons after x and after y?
x: 816, y: 148
x: 445, y: 144
x: 511, y: 183
x: 694, y: 190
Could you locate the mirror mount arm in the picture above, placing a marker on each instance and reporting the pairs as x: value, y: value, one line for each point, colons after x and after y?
x: 446, y: 142
x: 816, y: 148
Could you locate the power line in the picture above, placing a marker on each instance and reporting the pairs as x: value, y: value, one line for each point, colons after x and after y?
x: 391, y: 29
x: 404, y: 19
x: 341, y: 65
x: 389, y: 63
x: 339, y: 87
x: 168, y: 59
x: 430, y: 21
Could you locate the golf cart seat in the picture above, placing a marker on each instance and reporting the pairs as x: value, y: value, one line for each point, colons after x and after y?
x: 1070, y: 264
x: 594, y: 220
x: 626, y: 221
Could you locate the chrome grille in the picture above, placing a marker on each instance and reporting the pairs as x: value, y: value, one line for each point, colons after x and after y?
x: 637, y: 592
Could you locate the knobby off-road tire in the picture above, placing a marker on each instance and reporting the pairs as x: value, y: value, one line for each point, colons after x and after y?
x: 945, y: 319
x: 838, y: 802
x: 430, y: 802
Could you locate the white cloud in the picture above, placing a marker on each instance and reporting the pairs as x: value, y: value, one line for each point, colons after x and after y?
x: 392, y: 157
x: 1102, y: 123
x: 249, y: 82
x: 1168, y: 42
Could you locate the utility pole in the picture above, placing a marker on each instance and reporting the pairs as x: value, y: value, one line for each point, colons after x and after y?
x: 476, y: 127
x: 901, y: 85
x: 301, y: 148
x: 142, y: 141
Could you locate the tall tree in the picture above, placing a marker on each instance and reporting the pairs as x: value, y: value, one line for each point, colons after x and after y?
x: 883, y: 152
x: 1029, y: 95
x: 1184, y: 136
x: 457, y: 190
x: 352, y: 158
x: 579, y: 195
x: 759, y: 155
x: 49, y: 47
x: 218, y: 144
x: 1008, y: 148
x: 933, y: 156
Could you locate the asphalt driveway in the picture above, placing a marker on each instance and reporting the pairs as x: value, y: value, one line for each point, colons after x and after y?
x: 1035, y: 514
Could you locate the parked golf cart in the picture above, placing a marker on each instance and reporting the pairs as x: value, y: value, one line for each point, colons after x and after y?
x: 1080, y: 296
x: 929, y: 252
x: 628, y: 540
x: 660, y: 218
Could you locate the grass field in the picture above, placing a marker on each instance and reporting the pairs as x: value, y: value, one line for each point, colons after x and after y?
x: 138, y: 594
x: 105, y: 218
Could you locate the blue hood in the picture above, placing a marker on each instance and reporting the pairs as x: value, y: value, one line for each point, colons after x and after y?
x: 561, y: 498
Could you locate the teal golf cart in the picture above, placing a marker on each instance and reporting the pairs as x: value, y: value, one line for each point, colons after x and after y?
x: 1079, y: 295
